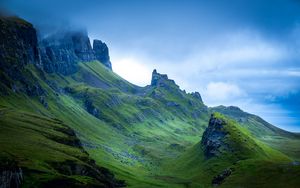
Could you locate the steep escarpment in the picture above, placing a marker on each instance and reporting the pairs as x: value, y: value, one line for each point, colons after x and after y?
x: 18, y: 43
x: 18, y: 49
x: 102, y: 53
x: 11, y: 174
x: 61, y: 52
x: 84, y: 119
x: 36, y: 148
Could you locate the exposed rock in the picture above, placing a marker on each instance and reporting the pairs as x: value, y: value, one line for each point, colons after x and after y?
x: 43, y: 101
x: 18, y: 48
x: 197, y: 96
x: 83, y: 166
x: 172, y: 104
x: 92, y: 109
x: 102, y: 53
x: 217, y: 180
x: 197, y: 113
x: 212, y: 138
x: 18, y: 43
x: 89, y: 169
x: 82, y: 46
x: 62, y: 51
x: 11, y: 175
x: 161, y: 80
x: 113, y: 101
x: 156, y: 95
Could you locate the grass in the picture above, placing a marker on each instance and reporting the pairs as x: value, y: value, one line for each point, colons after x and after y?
x: 138, y: 136
x: 36, y: 142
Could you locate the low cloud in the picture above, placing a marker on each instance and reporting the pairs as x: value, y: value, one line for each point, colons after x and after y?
x: 132, y: 69
x: 221, y: 92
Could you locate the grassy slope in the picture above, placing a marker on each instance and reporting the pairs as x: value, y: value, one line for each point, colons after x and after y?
x: 42, y: 147
x: 254, y: 164
x: 279, y: 139
x: 136, y: 134
x: 132, y: 136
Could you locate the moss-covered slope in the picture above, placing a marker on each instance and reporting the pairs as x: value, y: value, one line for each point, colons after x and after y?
x: 64, y: 128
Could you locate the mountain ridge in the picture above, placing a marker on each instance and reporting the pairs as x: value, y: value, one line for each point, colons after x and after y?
x: 148, y: 136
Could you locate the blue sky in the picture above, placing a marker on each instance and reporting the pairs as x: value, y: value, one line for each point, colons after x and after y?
x: 238, y: 52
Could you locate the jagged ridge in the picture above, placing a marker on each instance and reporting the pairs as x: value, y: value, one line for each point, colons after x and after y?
x: 134, y: 131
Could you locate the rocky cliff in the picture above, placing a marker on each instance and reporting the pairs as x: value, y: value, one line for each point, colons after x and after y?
x: 102, y: 53
x: 18, y: 43
x: 11, y: 175
x: 161, y: 80
x: 213, y: 137
x: 18, y: 48
x: 62, y: 51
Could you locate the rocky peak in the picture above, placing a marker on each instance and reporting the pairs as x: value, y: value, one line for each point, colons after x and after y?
x: 102, y: 53
x: 82, y: 46
x: 197, y: 95
x: 212, y: 139
x: 161, y: 80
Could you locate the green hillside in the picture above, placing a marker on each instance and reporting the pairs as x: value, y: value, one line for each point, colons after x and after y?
x: 279, y: 139
x: 229, y: 156
x: 91, y: 128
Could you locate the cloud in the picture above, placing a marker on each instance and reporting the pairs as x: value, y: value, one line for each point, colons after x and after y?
x: 221, y: 92
x: 132, y: 70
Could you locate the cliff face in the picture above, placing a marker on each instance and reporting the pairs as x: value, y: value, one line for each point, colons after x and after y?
x: 61, y: 52
x: 18, y: 47
x: 101, y: 53
x: 213, y: 137
x: 18, y: 43
x: 11, y: 176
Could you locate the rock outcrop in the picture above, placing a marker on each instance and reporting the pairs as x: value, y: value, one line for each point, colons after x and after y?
x: 18, y: 43
x: 219, y: 179
x: 102, y: 53
x: 61, y: 52
x: 18, y: 48
x: 197, y: 95
x: 212, y: 139
x: 11, y: 175
x: 161, y: 80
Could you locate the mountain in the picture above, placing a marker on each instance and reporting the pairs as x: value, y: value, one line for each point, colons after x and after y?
x: 67, y: 119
